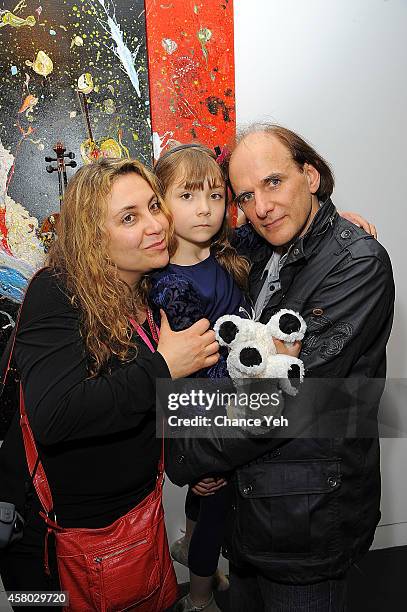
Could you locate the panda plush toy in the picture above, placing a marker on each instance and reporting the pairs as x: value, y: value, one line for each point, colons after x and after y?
x: 252, y: 352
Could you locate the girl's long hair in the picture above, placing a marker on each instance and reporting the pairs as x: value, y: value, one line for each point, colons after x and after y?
x: 81, y: 255
x: 191, y: 166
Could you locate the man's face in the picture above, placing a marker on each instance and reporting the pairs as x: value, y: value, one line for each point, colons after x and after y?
x: 277, y: 197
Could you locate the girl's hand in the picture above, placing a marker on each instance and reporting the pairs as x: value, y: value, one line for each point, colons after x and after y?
x: 241, y: 218
x: 190, y: 350
x: 360, y: 222
x: 208, y: 486
x: 292, y: 349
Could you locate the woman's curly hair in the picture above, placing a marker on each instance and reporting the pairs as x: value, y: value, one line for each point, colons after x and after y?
x: 81, y: 256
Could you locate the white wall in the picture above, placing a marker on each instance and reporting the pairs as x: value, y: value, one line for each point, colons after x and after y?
x: 335, y: 71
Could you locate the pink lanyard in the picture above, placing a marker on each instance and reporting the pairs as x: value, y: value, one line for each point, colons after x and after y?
x: 155, y: 332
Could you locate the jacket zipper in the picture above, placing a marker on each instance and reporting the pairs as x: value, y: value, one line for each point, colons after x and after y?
x: 119, y: 552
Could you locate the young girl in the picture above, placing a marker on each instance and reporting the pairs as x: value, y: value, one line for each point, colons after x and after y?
x: 205, y: 278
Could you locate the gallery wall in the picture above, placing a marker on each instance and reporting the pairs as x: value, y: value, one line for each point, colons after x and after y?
x: 335, y: 71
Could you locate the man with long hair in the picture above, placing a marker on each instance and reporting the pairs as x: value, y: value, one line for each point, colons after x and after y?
x: 307, y: 510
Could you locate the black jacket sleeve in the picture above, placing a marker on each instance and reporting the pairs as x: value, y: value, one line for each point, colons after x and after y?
x: 190, y: 459
x: 357, y: 298
x: 62, y: 402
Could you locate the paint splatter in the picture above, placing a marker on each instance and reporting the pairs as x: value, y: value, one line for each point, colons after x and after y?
x: 6, y: 164
x: 169, y: 45
x: 13, y: 70
x: 18, y: 237
x: 160, y: 142
x: 109, y: 106
x: 42, y: 64
x: 77, y: 41
x: 8, y: 18
x: 29, y: 102
x: 204, y: 36
x: 215, y: 105
x: 85, y: 83
x: 185, y: 68
x: 119, y: 48
x: 10, y: 320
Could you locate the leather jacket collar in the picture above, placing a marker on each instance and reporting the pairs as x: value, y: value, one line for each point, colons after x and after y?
x: 305, y: 245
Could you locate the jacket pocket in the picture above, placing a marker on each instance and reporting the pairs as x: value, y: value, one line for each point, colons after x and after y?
x: 289, y: 508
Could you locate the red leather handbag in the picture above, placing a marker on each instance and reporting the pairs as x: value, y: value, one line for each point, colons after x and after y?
x: 124, y: 566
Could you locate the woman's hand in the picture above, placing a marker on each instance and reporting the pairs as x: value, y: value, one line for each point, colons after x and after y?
x: 241, y: 218
x: 190, y: 350
x: 360, y: 222
x: 292, y: 349
x: 208, y: 486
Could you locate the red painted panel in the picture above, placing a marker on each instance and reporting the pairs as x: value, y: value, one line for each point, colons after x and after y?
x: 191, y: 71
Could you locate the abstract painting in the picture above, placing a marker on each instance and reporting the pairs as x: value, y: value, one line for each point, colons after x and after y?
x: 113, y: 78
x: 191, y: 71
x: 73, y: 71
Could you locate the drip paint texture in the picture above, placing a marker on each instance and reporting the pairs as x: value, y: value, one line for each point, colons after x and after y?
x: 50, y: 49
x: 191, y: 69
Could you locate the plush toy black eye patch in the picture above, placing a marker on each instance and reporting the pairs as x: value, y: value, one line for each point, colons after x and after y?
x: 250, y: 357
x: 294, y: 372
x: 228, y: 331
x: 289, y: 323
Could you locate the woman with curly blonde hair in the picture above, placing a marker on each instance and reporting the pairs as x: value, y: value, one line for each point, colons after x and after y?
x: 87, y: 375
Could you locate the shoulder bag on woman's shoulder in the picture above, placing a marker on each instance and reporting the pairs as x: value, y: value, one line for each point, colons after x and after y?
x: 123, y: 566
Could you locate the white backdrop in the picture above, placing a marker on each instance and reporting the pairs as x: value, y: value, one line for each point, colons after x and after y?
x: 335, y: 71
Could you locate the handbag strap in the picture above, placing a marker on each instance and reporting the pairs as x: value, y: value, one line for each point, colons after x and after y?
x: 34, y: 464
x: 12, y: 340
x: 5, y: 363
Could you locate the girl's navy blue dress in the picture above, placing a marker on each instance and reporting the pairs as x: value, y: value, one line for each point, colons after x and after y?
x: 187, y: 294
x: 203, y: 290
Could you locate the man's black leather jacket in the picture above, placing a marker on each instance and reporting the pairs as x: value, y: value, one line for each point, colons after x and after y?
x: 305, y: 509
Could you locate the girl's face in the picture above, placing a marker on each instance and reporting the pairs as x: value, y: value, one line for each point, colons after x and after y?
x: 137, y: 228
x: 198, y: 214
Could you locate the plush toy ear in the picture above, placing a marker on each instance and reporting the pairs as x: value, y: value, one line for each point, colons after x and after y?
x: 295, y: 376
x: 226, y: 329
x: 289, y: 370
x: 250, y: 356
x: 294, y: 373
x: 289, y: 323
